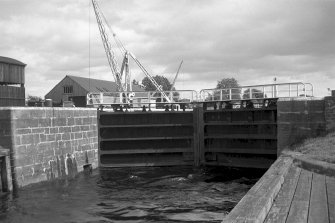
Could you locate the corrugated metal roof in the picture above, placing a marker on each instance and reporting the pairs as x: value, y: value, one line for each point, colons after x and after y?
x: 11, y: 61
x: 95, y: 85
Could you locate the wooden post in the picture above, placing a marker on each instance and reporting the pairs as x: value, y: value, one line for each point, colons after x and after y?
x: 195, y: 143
x: 198, y: 136
x: 201, y: 135
x: 5, y: 172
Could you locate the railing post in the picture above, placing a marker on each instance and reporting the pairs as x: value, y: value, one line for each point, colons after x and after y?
x: 304, y: 90
x: 101, y: 98
x: 289, y: 90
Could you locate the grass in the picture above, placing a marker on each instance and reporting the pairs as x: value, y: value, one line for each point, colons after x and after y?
x: 320, y: 148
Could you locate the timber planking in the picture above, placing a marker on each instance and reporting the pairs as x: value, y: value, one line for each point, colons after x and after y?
x: 330, y: 186
x: 279, y: 210
x: 304, y: 197
x: 318, y: 210
x: 146, y: 138
x: 255, y: 205
x: 287, y: 194
x: 300, y: 204
x: 235, y: 138
x: 240, y: 137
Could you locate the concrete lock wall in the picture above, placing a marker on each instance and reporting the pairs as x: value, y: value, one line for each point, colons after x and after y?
x: 298, y: 119
x: 48, y: 143
x: 330, y: 113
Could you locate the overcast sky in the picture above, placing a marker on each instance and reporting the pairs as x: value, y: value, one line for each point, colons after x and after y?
x: 252, y: 41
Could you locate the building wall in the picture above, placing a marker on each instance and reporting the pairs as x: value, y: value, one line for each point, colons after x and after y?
x: 11, y: 73
x: 47, y: 143
x: 57, y: 93
x: 298, y: 119
x: 12, y: 96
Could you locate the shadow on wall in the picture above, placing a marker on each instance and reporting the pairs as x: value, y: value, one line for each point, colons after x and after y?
x: 48, y: 143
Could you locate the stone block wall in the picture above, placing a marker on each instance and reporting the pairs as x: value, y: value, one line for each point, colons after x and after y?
x: 298, y: 119
x: 47, y: 143
x: 330, y: 112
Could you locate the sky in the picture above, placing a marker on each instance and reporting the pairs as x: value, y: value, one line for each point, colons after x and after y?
x: 252, y: 41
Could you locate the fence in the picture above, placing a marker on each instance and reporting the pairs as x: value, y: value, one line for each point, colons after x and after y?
x: 185, y: 98
x: 138, y: 99
x: 283, y: 90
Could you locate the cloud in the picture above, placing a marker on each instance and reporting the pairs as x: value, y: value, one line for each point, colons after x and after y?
x: 252, y: 41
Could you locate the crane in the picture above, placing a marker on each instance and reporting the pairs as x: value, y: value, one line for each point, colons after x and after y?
x: 108, y: 49
x: 175, y: 78
x: 118, y: 73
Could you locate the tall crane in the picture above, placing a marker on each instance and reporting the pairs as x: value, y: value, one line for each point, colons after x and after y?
x: 175, y: 78
x: 118, y: 75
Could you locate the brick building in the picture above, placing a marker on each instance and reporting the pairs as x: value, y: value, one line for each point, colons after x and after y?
x: 73, y: 88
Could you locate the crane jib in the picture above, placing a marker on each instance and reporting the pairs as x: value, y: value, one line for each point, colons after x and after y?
x: 124, y: 71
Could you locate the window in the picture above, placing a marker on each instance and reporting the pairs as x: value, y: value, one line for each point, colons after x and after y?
x: 68, y: 89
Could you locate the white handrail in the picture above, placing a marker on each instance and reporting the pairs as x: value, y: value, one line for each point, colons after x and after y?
x: 140, y: 98
x: 281, y: 90
x: 147, y: 98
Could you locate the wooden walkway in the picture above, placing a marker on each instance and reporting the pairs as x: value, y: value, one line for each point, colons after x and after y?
x: 304, y: 197
x: 287, y: 194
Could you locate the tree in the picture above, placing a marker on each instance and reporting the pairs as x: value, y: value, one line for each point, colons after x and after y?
x: 33, y: 100
x: 135, y: 82
x: 255, y: 94
x: 161, y: 80
x: 226, y: 83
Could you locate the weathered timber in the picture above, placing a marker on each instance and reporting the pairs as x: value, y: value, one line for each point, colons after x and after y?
x: 282, y: 203
x: 255, y: 205
x: 147, y: 139
x: 300, y: 204
x: 11, y: 73
x: 318, y: 208
x: 239, y: 161
x: 243, y: 151
x: 330, y: 186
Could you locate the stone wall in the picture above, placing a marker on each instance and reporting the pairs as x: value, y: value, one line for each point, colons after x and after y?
x: 330, y: 112
x: 298, y: 119
x: 47, y: 143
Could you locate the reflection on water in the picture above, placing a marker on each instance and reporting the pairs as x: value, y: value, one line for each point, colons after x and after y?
x: 174, y: 194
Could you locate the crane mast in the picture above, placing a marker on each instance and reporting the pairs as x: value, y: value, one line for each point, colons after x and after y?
x: 175, y: 78
x: 108, y: 48
x: 125, y: 64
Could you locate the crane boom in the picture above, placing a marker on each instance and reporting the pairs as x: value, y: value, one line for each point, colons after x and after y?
x: 107, y: 46
x: 112, y: 60
x: 175, y: 78
x: 158, y: 87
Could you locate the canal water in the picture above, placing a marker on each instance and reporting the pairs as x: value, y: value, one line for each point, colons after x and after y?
x: 174, y: 194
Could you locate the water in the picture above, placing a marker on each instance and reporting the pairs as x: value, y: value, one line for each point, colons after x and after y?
x: 174, y: 194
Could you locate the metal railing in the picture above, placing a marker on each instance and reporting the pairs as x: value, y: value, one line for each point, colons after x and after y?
x: 283, y: 90
x: 138, y: 99
x: 154, y: 99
